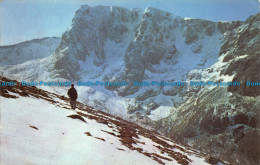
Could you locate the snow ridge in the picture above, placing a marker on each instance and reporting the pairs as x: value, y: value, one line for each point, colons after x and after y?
x: 28, y: 50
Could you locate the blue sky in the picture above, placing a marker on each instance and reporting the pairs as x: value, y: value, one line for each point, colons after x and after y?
x: 22, y: 20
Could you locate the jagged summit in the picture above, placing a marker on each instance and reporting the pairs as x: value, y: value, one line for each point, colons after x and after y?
x: 135, y: 41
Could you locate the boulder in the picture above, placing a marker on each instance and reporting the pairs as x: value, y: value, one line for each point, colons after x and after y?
x: 77, y: 117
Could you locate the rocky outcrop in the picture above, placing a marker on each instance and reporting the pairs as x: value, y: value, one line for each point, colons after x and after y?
x: 90, y: 28
x: 245, y: 41
x: 220, y: 126
x: 224, y: 121
x: 227, y: 26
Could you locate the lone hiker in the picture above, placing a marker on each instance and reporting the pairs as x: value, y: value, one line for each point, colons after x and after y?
x: 73, y: 95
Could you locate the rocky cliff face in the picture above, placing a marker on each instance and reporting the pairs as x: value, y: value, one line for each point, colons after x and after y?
x: 91, y: 28
x: 243, y: 42
x: 148, y: 38
x: 224, y: 121
x: 116, y: 44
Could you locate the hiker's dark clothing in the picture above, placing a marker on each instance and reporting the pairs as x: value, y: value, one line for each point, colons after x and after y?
x: 73, y: 95
x: 73, y: 104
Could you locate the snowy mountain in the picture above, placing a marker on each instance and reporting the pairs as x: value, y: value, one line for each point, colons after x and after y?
x: 28, y: 50
x: 114, y: 44
x: 38, y: 127
x: 27, y: 60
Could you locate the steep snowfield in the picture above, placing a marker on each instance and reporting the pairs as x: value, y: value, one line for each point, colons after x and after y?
x: 38, y: 127
x: 58, y: 139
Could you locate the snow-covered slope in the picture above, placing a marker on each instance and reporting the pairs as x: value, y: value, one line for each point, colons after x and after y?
x: 38, y: 127
x: 29, y: 50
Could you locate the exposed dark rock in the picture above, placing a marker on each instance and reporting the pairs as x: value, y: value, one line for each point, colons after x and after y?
x: 237, y: 130
x: 238, y: 133
x: 110, y: 133
x: 100, y: 138
x: 212, y: 160
x: 225, y: 122
x: 217, y: 122
x: 253, y: 122
x: 171, y: 91
x: 4, y: 93
x: 190, y: 35
x: 229, y: 57
x: 88, y: 133
x: 194, y: 76
x: 102, y: 121
x: 243, y: 41
x: 34, y: 127
x: 77, y: 117
x: 133, y: 108
x: 246, y: 70
x: 241, y: 119
x: 226, y: 26
x: 152, y: 105
x: 249, y: 146
x: 147, y: 94
x: 210, y: 29
x: 120, y: 149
